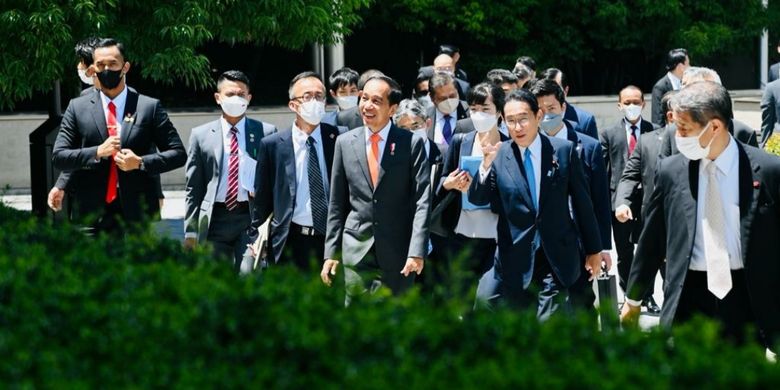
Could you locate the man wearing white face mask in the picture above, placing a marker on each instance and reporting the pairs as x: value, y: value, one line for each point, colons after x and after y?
x: 293, y: 178
x: 342, y: 86
x: 618, y: 143
x: 446, y: 111
x: 220, y: 171
x: 713, y: 215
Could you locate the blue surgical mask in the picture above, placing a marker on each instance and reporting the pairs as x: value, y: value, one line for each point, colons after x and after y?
x: 551, y: 122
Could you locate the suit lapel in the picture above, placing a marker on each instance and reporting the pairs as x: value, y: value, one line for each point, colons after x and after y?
x: 99, y: 115
x: 619, y: 138
x: 329, y: 135
x: 252, y: 138
x: 749, y: 190
x: 692, y: 198
x: 512, y: 166
x: 288, y: 156
x: 216, y: 143
x: 130, y: 108
x: 468, y: 144
x: 359, y: 147
x: 388, y: 154
x: 548, y: 154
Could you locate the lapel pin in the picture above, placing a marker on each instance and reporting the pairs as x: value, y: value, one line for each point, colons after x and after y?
x: 332, y: 136
x: 756, y: 184
x: 251, y: 137
x: 392, y: 149
x: 129, y: 118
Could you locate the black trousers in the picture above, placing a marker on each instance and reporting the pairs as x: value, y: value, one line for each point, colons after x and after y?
x: 624, y: 233
x: 228, y: 232
x: 733, y: 311
x: 111, y: 222
x: 468, y: 259
x: 368, y: 277
x: 304, y: 251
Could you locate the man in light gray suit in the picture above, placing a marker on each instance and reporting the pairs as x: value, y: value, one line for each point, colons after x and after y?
x: 220, y: 168
x: 770, y: 110
x: 379, y: 199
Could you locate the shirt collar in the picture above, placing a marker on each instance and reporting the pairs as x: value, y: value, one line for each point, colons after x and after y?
x: 676, y: 83
x: 300, y: 136
x: 535, y: 146
x: 563, y: 133
x: 727, y: 160
x: 119, y: 100
x: 382, y: 133
x: 628, y: 124
x: 226, y: 126
x: 440, y: 115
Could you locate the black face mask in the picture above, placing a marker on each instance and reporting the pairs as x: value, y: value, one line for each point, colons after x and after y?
x: 109, y: 79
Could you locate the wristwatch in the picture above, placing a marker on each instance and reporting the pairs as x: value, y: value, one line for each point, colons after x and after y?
x: 141, y: 165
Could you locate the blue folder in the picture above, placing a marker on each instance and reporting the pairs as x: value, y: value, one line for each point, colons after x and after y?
x: 471, y: 165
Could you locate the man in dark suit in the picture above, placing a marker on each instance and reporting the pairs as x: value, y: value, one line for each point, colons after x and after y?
x: 774, y: 70
x: 618, y: 142
x: 584, y: 122
x: 770, y: 110
x: 351, y: 118
x: 529, y: 182
x: 105, y: 138
x: 447, y: 109
x: 454, y: 52
x: 220, y: 163
x: 445, y: 64
x: 293, y: 178
x: 712, y: 216
x: 379, y: 199
x: 676, y: 62
x: 552, y: 102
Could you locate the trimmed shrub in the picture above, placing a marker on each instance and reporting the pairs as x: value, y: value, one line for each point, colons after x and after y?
x: 78, y: 312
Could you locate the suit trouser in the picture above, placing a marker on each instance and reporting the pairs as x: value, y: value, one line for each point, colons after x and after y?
x: 110, y: 222
x: 734, y: 311
x: 624, y: 246
x: 368, y: 277
x: 468, y: 259
x: 228, y: 232
x: 303, y: 250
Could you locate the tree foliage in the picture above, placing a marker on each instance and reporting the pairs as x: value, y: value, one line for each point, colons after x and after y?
x: 162, y: 36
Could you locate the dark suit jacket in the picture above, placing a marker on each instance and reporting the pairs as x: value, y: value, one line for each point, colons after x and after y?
x: 671, y: 226
x: 507, y: 191
x: 204, y: 168
x: 590, y: 153
x: 774, y: 72
x: 350, y: 118
x: 615, y: 148
x: 275, y: 184
x: 741, y: 131
x: 391, y: 218
x: 583, y: 121
x: 770, y: 110
x: 450, y: 202
x: 638, y: 179
x: 83, y: 129
x: 661, y: 87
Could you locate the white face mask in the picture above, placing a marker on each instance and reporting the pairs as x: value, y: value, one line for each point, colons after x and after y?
x: 690, y: 146
x: 346, y: 102
x: 234, y: 106
x: 632, y: 112
x: 84, y: 78
x: 483, y: 121
x: 312, y: 112
x: 448, y: 106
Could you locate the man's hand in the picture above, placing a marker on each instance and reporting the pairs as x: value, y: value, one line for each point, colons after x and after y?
x: 630, y: 314
x: 607, y: 258
x: 328, y: 270
x: 413, y: 264
x: 593, y: 265
x: 55, y: 198
x: 489, y: 154
x: 126, y: 160
x: 190, y: 242
x: 623, y: 213
x: 108, y: 147
x: 457, y: 180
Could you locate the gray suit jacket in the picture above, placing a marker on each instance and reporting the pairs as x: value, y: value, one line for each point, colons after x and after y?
x: 774, y: 72
x: 638, y: 179
x: 204, y: 167
x: 615, y: 148
x: 393, y: 217
x: 770, y: 110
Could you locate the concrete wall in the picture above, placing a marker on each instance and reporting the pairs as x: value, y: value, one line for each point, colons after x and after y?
x: 15, y: 129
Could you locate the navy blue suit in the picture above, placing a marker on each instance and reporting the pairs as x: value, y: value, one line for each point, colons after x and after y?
x: 506, y: 189
x: 584, y: 122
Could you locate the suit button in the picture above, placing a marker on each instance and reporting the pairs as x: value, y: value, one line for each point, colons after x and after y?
x: 376, y: 223
x: 376, y: 201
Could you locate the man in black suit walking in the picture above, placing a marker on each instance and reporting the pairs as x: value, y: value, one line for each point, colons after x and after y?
x: 106, y: 138
x: 712, y: 216
x: 676, y: 62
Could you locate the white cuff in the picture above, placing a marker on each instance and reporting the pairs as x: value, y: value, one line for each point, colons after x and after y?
x: 190, y: 235
x: 633, y: 302
x: 621, y: 208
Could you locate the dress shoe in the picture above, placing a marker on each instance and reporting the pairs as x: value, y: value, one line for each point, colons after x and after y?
x: 651, y: 306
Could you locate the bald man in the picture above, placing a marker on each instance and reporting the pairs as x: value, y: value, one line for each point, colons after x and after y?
x: 445, y: 63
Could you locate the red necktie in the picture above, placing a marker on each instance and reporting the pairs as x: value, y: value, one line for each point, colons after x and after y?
x: 632, y: 141
x: 231, y: 200
x: 373, y: 158
x: 112, y: 172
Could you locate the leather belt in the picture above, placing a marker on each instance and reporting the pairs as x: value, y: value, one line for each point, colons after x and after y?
x: 303, y: 230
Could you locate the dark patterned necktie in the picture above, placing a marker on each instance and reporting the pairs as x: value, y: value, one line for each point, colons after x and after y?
x: 319, y: 204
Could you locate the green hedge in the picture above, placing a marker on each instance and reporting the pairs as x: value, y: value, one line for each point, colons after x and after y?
x: 83, y: 313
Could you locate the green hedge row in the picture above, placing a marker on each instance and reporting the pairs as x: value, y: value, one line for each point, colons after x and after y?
x: 84, y: 313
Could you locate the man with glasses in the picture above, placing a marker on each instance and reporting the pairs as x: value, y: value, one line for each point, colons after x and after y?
x: 292, y: 180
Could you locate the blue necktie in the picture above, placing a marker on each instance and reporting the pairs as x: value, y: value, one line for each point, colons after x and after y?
x: 446, y: 131
x: 528, y: 164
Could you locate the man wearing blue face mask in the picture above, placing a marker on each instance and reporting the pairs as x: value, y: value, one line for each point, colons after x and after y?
x: 220, y: 170
x: 714, y: 217
x: 617, y: 143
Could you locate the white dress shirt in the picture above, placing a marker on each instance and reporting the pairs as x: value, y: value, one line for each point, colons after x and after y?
x: 243, y: 195
x: 438, y: 129
x: 382, y: 140
x: 302, y: 211
x: 536, y: 160
x: 119, y: 103
x: 728, y: 184
x: 479, y: 223
x: 676, y: 83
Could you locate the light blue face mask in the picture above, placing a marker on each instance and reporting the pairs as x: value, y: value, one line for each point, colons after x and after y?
x: 551, y: 122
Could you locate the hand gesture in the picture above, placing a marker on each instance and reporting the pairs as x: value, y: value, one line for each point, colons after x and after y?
x: 109, y: 147
x: 457, y: 180
x: 489, y: 154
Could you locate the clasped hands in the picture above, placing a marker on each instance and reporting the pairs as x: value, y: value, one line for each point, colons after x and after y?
x: 125, y: 159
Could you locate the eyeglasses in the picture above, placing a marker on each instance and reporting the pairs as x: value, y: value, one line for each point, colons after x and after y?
x: 512, y: 123
x: 307, y: 97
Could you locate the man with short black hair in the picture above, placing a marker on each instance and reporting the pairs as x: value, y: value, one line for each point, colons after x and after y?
x: 343, y: 89
x: 503, y: 79
x: 351, y: 118
x: 677, y: 62
x: 584, y: 122
x: 379, y: 199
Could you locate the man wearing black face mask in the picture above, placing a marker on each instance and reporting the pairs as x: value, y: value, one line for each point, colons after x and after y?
x: 106, y: 138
